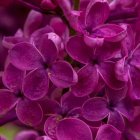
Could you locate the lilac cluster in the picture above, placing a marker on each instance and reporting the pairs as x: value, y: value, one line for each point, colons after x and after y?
x: 73, y: 71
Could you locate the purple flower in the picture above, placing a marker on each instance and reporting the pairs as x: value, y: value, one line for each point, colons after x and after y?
x: 127, y: 68
x: 115, y: 106
x: 97, y: 65
x: 14, y: 96
x: 44, y: 65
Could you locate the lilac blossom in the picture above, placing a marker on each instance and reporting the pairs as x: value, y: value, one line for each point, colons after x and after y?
x: 71, y: 72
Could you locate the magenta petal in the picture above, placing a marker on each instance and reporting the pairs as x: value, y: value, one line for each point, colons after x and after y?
x: 25, y: 56
x: 62, y: 74
x: 44, y: 138
x: 135, y: 57
x: 50, y: 106
x: 126, y: 108
x: 36, y: 84
x: 51, y: 125
x: 69, y: 101
x: 107, y: 132
x: 78, y: 50
x: 37, y: 35
x: 60, y: 27
x: 32, y: 23
x: 7, y: 101
x: 26, y: 135
x: 10, y: 41
x: 97, y: 13
x: 107, y: 72
x: 110, y: 32
x: 73, y: 129
x: 87, y: 81
x: 116, y: 120
x: 128, y: 43
x: 135, y: 79
x: 48, y: 49
x: 95, y: 109
x: 29, y: 112
x: 13, y: 78
x: 121, y: 70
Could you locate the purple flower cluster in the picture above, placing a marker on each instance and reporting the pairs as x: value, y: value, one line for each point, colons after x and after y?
x: 73, y: 72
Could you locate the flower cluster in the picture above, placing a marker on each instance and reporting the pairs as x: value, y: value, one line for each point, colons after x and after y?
x: 73, y: 72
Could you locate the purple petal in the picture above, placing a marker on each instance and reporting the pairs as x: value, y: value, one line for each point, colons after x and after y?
x: 36, y: 84
x: 60, y: 27
x: 93, y: 42
x: 97, y: 13
x: 50, y: 106
x: 116, y: 120
x: 107, y: 72
x: 95, y: 109
x: 26, y: 135
x: 44, y: 138
x: 13, y: 78
x: 36, y: 37
x: 135, y: 57
x: 2, y: 138
x: 126, y: 108
x: 62, y: 74
x: 25, y: 56
x: 135, y: 78
x: 32, y: 23
x: 78, y: 50
x: 48, y: 49
x: 69, y: 101
x: 121, y: 70
x: 128, y: 43
x: 10, y: 41
x: 29, y: 112
x: 73, y: 129
x: 51, y: 125
x: 87, y: 81
x: 116, y: 95
x: 7, y: 101
x: 110, y: 32
x: 107, y: 132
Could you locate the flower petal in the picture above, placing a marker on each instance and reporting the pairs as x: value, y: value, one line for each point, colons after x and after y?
x: 110, y: 32
x: 50, y: 126
x: 27, y: 135
x: 44, y: 138
x: 33, y: 22
x: 87, y: 81
x: 121, y: 70
x: 10, y: 41
x: 107, y: 72
x: 29, y: 112
x: 50, y: 106
x: 36, y: 84
x: 7, y: 101
x: 116, y: 120
x: 48, y: 49
x: 78, y: 50
x: 95, y: 109
x: 107, y: 132
x: 135, y: 57
x: 25, y: 56
x: 13, y: 77
x: 62, y: 74
x: 69, y: 101
x: 126, y: 108
x: 135, y: 78
x: 97, y: 13
x: 36, y: 37
x: 73, y: 129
